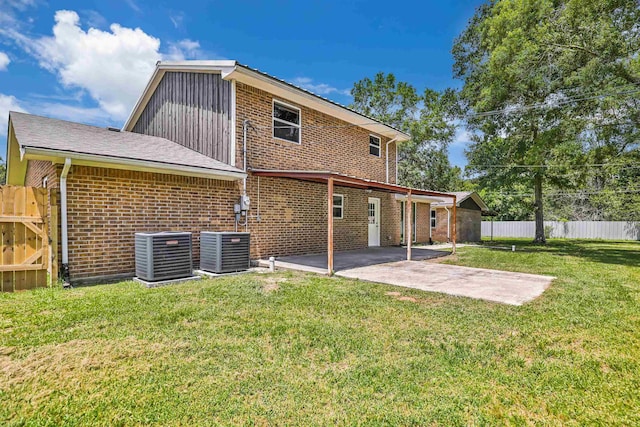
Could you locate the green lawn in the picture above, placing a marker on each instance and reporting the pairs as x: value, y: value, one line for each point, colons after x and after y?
x: 307, y: 350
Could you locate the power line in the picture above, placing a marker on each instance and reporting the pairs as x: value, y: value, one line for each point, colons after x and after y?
x: 560, y: 103
x: 569, y: 194
x: 590, y: 165
x: 565, y: 101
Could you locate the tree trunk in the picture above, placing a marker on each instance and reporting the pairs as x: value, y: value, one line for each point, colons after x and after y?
x: 537, y: 183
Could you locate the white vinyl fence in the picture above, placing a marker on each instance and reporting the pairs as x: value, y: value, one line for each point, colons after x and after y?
x: 612, y: 230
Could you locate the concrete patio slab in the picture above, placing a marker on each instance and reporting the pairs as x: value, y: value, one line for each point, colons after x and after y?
x: 344, y: 260
x: 492, y: 285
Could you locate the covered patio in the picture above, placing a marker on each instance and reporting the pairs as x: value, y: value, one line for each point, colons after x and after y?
x: 387, y: 254
x: 347, y: 260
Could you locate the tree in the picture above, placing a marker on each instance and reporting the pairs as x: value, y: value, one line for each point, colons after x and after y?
x: 527, y: 88
x: 3, y: 172
x: 423, y: 161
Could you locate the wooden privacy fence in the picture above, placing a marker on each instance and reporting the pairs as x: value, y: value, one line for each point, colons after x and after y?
x: 612, y: 230
x: 26, y: 257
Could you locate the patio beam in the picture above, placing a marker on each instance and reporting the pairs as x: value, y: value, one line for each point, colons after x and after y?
x: 407, y: 221
x: 330, y: 226
x: 453, y: 226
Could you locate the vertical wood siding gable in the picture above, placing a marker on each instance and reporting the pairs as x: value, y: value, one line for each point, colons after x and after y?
x: 192, y: 109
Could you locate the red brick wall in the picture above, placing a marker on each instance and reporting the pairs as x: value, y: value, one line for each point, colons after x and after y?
x: 340, y: 147
x: 37, y: 170
x: 107, y: 206
x: 293, y: 218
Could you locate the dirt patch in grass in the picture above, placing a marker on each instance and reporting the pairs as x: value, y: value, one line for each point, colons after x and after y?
x: 272, y: 284
x: 78, y: 363
x: 400, y: 297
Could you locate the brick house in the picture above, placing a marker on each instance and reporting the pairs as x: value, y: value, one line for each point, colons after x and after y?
x: 470, y: 208
x: 202, y: 134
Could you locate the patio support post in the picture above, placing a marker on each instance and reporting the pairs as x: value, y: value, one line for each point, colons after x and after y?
x: 453, y: 226
x: 330, y: 226
x: 407, y: 221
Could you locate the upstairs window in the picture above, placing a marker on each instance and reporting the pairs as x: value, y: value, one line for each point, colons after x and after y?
x: 433, y: 219
x: 374, y: 145
x: 286, y: 122
x: 338, y: 206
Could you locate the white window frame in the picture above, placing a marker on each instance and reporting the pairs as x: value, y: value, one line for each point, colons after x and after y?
x: 433, y: 218
x: 379, y: 145
x: 273, y: 117
x: 341, y: 206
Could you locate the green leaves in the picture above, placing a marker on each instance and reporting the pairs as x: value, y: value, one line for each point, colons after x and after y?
x: 427, y: 118
x: 558, y: 78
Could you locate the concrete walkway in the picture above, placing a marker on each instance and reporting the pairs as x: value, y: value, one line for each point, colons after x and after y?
x: 491, y: 285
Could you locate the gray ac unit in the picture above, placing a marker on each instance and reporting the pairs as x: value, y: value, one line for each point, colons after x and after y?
x: 163, y: 256
x: 224, y: 252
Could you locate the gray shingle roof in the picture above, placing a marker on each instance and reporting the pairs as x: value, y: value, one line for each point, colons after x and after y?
x: 53, y: 134
x: 460, y: 196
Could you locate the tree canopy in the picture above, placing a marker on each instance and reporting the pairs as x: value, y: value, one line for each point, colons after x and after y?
x: 546, y: 92
x: 423, y: 161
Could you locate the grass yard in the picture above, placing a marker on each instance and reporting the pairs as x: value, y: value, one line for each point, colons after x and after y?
x: 300, y: 349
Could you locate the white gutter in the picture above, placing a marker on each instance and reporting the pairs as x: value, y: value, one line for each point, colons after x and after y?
x: 63, y: 215
x: 396, y: 163
x: 245, y: 124
x: 136, y: 164
x: 387, y: 156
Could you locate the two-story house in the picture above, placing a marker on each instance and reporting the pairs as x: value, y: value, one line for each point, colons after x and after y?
x: 317, y: 176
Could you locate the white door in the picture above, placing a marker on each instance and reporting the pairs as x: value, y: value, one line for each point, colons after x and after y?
x: 374, y: 221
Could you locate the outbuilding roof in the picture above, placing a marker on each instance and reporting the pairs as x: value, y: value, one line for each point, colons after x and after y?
x: 39, y: 137
x: 461, y: 196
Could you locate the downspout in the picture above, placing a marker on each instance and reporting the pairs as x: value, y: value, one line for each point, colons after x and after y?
x: 387, y: 158
x: 64, y: 224
x: 245, y: 125
x: 448, y: 224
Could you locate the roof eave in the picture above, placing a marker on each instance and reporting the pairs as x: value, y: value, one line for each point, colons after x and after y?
x: 342, y: 179
x: 112, y: 162
x: 254, y: 78
x: 223, y: 66
x: 231, y: 70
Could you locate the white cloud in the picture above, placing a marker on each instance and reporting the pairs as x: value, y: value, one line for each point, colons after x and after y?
x: 4, y: 61
x: 462, y: 137
x: 133, y: 5
x: 9, y: 10
x: 7, y: 103
x: 94, y: 19
x: 73, y: 113
x: 177, y: 19
x: 112, y: 66
x: 184, y: 49
x: 318, y: 88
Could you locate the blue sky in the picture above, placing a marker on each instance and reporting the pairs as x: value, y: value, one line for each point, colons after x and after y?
x: 88, y: 61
